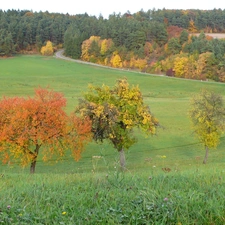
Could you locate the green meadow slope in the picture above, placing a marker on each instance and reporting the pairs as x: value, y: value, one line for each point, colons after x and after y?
x: 167, y: 97
x: 94, y: 190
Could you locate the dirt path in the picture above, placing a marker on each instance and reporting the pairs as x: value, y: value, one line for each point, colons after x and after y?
x: 214, y: 35
x: 59, y: 55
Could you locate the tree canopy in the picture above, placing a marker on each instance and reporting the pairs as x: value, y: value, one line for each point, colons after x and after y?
x: 115, y: 112
x: 207, y: 114
x: 28, y: 124
x: 152, y: 41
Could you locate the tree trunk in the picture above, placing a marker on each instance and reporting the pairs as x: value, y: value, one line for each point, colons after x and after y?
x: 32, y: 166
x: 34, y: 161
x: 206, y: 154
x: 122, y: 159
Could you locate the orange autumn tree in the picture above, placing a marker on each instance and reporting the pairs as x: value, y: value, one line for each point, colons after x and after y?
x: 28, y: 124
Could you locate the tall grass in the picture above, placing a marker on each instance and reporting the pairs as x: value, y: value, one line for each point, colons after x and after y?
x: 111, y: 197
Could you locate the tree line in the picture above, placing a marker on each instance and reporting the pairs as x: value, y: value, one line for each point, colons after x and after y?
x: 156, y: 41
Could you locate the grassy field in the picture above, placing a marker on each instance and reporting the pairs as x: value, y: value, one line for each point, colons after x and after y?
x: 93, y: 191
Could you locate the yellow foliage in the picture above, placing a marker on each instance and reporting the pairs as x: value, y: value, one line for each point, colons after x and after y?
x: 106, y: 61
x: 207, y: 115
x: 191, y: 68
x: 104, y: 47
x: 85, y: 47
x: 202, y: 64
x: 94, y: 38
x: 98, y: 110
x: 47, y: 49
x: 116, y: 60
x: 180, y: 64
x: 141, y: 63
x: 106, y: 44
x: 192, y: 28
x: 115, y: 112
x: 167, y: 63
x: 138, y: 63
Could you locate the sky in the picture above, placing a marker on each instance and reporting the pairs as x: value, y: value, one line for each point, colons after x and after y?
x: 104, y: 7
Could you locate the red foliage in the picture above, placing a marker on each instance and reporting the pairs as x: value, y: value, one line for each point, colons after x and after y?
x: 174, y: 31
x: 170, y: 72
x: 27, y: 124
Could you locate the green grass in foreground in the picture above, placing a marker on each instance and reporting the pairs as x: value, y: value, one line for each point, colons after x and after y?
x: 93, y: 191
x: 196, y: 197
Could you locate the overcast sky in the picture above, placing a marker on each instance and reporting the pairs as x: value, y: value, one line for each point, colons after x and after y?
x: 104, y: 7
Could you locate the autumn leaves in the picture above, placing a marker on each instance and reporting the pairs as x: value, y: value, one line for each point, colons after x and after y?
x: 28, y: 125
x: 115, y: 112
x: 39, y: 127
x: 207, y: 114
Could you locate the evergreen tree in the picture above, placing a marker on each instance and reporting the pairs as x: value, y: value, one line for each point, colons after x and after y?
x: 72, y: 42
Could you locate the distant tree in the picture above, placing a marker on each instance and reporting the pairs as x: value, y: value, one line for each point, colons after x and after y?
x: 106, y: 45
x: 192, y: 28
x: 28, y: 124
x: 207, y: 114
x: 94, y: 50
x: 174, y: 31
x: 170, y: 72
x: 72, y: 42
x: 179, y: 67
x: 183, y: 37
x: 174, y: 46
x: 157, y: 33
x: 6, y: 43
x: 206, y: 66
x: 47, y: 49
x: 116, y: 60
x: 87, y: 50
x: 148, y: 49
x: 115, y: 112
x: 138, y: 63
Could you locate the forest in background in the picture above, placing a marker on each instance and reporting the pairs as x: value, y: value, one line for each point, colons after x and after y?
x: 155, y: 41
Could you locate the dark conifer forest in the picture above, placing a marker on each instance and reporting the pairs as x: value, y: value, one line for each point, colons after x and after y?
x: 171, y: 42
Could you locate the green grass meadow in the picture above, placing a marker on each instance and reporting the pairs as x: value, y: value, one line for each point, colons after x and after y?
x: 94, y: 190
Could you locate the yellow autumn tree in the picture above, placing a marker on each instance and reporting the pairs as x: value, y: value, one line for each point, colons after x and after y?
x: 206, y: 66
x: 116, y: 60
x: 190, y: 68
x: 132, y: 62
x: 201, y: 65
x: 47, y: 49
x: 86, y: 46
x: 138, y: 63
x: 115, y: 113
x: 106, y: 44
x: 167, y: 63
x: 179, y: 66
x: 192, y: 28
x: 207, y: 114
